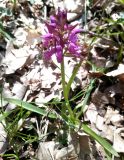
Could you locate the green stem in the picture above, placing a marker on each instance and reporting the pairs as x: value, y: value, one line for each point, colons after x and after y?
x: 63, y: 80
x: 73, y: 76
x: 88, y: 93
x: 64, y: 86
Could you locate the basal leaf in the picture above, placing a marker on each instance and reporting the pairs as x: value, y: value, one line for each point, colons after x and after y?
x: 107, y: 146
x: 30, y: 107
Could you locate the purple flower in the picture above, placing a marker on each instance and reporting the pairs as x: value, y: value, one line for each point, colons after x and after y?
x: 60, y: 38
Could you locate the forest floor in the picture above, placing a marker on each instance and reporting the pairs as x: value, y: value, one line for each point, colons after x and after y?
x: 34, y: 120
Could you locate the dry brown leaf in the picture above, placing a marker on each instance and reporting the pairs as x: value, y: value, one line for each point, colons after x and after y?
x: 18, y: 91
x: 118, y: 140
x: 15, y: 59
x: 85, y: 148
x: 3, y: 139
x: 119, y: 72
x: 43, y: 152
x: 64, y: 153
x: 91, y: 113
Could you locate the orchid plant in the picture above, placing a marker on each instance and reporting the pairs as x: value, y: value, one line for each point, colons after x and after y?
x: 61, y: 40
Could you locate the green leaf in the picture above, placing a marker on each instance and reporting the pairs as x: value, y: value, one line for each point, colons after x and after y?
x: 30, y: 107
x: 4, y: 115
x: 107, y: 146
x: 76, y: 68
x: 83, y: 104
x: 4, y: 33
x: 121, y: 1
x: 120, y: 55
x: 108, y: 155
x: 5, y: 11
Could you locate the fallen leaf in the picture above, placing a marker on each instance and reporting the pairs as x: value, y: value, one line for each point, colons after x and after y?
x: 118, y: 140
x: 119, y: 72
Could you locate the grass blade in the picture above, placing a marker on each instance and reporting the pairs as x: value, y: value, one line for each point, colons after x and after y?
x: 30, y: 107
x: 107, y: 146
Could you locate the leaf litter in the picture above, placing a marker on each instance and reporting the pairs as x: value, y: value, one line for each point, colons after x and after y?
x: 25, y: 77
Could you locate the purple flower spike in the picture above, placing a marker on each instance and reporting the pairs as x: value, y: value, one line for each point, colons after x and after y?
x: 48, y: 54
x: 52, y: 19
x: 59, y: 54
x: 74, y: 49
x: 62, y: 16
x: 73, y: 35
x: 47, y: 38
x: 61, y: 37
